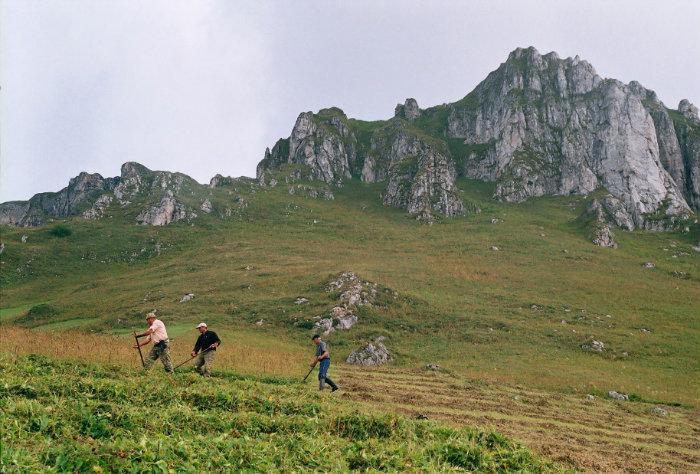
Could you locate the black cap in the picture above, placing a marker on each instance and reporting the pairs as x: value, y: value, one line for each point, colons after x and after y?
x: 315, y: 336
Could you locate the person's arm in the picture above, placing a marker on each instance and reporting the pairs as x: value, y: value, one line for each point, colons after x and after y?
x: 322, y: 356
x: 141, y: 344
x: 197, y: 346
x: 217, y: 341
x: 148, y: 332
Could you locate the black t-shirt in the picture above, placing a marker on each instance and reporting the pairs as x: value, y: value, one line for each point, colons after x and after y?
x: 205, y: 340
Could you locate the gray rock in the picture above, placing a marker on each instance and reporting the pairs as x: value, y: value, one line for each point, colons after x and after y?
x: 590, y: 397
x: 649, y: 265
x: 2, y: 247
x: 187, y: 297
x: 688, y: 110
x: 206, y: 206
x: 421, y: 176
x: 433, y: 367
x: 301, y: 300
x: 324, y: 326
x: 618, y: 395
x: 98, y: 209
x: 494, y: 248
x: 24, y: 239
x: 82, y: 191
x: 409, y: 110
x: 594, y: 345
x: 260, y: 322
x: 659, y: 411
x: 167, y: 211
x: 372, y: 353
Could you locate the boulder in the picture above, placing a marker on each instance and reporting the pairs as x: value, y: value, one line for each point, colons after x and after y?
x: 372, y: 353
x: 187, y: 297
x: 649, y: 265
x: 618, y: 395
x: 206, y: 206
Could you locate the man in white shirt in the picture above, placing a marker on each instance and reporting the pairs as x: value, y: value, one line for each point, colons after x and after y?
x: 159, y: 337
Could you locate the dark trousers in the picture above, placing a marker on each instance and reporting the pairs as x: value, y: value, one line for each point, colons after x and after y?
x: 323, y: 378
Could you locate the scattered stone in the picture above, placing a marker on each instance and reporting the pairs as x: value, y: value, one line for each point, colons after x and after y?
x: 187, y: 297
x: 563, y: 321
x: 659, y: 411
x: 618, y: 395
x: 421, y: 416
x: 681, y: 275
x: 372, y: 353
x: 248, y: 268
x: 24, y: 239
x: 649, y: 265
x: 355, y: 292
x: 495, y: 220
x: 260, y: 323
x: 590, y: 397
x: 2, y: 247
x: 301, y: 300
x: 433, y: 367
x: 206, y: 206
x: 494, y: 248
x: 595, y: 346
x: 645, y: 330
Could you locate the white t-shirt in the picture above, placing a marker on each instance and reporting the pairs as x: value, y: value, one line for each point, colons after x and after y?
x: 159, y: 333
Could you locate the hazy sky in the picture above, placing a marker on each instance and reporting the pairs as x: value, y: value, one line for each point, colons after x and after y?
x: 203, y: 87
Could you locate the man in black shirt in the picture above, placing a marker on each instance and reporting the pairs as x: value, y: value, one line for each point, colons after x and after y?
x: 206, y: 345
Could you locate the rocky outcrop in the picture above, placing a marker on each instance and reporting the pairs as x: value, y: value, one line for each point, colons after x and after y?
x: 322, y: 141
x: 372, y: 353
x: 99, y: 208
x: 154, y: 197
x: 421, y: 174
x: 687, y: 127
x: 409, y: 110
x: 554, y: 127
x: 166, y: 211
x: 81, y: 194
x: 538, y: 125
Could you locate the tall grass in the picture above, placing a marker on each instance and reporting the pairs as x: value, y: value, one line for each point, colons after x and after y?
x: 242, y: 357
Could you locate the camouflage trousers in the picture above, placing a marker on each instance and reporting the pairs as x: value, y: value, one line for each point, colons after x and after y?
x: 203, y: 362
x: 161, y: 352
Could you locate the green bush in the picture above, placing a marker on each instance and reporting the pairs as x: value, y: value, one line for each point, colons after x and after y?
x: 60, y: 230
x: 38, y: 314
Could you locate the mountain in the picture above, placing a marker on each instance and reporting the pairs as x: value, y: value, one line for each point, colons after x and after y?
x: 536, y: 126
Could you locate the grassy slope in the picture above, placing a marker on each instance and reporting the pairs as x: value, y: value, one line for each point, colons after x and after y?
x: 74, y: 417
x: 466, y: 307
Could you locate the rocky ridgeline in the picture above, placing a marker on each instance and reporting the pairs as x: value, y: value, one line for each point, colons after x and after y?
x: 538, y: 125
x: 155, y: 197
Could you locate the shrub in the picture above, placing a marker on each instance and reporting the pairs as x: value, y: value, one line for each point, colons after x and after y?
x: 61, y: 231
x: 38, y: 314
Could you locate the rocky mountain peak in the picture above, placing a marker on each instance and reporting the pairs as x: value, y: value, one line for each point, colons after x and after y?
x: 409, y: 110
x: 688, y: 110
x: 131, y: 169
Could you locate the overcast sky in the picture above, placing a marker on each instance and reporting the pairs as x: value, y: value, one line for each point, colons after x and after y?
x: 203, y: 87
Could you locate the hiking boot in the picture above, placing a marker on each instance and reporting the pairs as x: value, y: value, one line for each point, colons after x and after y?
x: 334, y: 389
